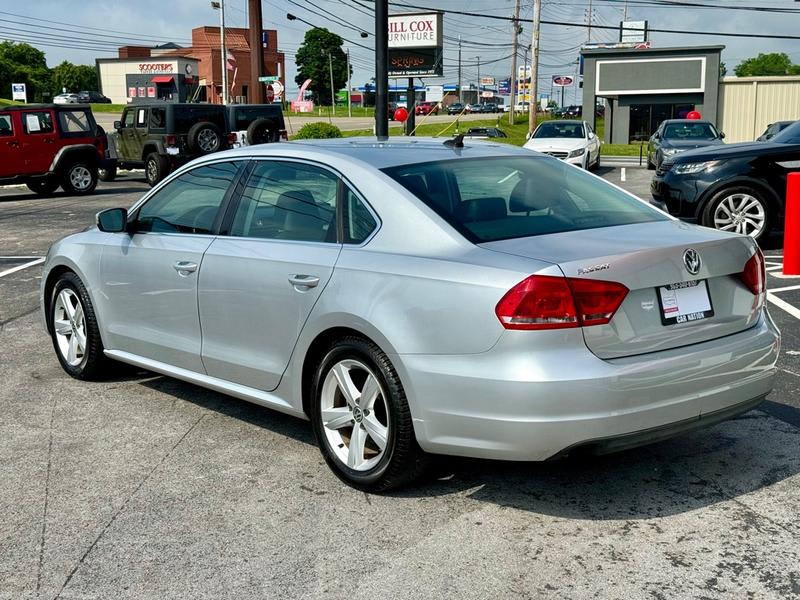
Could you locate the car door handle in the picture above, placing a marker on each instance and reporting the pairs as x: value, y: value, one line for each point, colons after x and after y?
x: 184, y: 267
x: 304, y: 280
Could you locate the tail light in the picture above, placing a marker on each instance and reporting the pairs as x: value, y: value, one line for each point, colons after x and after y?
x: 171, y: 140
x: 545, y: 302
x: 284, y: 135
x: 232, y: 137
x: 754, y: 275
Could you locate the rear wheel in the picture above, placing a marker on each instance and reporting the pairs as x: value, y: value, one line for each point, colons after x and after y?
x: 361, y: 418
x: 156, y: 167
x: 740, y: 209
x: 79, y: 178
x: 109, y: 174
x: 43, y: 187
x: 205, y: 138
x: 261, y: 131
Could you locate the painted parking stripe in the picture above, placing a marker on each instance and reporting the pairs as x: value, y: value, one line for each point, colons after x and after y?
x: 18, y: 257
x: 33, y: 263
x: 792, y: 310
x: 785, y: 289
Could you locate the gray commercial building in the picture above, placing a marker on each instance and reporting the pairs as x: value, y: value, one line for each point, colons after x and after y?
x: 642, y: 87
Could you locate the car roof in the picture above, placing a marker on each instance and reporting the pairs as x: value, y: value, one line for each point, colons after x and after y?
x: 670, y: 121
x: 562, y: 121
x: 380, y: 155
x: 48, y: 106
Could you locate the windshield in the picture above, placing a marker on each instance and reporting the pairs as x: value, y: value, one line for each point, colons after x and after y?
x: 790, y: 135
x: 690, y: 131
x: 559, y: 130
x: 490, y: 199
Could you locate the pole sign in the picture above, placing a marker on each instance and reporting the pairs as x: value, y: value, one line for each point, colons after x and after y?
x: 487, y: 80
x: 633, y: 31
x: 415, y: 45
x: 563, y: 80
x: 19, y: 92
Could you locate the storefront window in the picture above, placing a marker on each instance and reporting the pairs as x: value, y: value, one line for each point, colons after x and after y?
x: 645, y: 118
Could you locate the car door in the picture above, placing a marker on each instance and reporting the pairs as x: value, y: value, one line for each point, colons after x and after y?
x: 259, y: 283
x: 126, y: 134
x: 148, y: 285
x: 12, y: 161
x: 39, y: 140
x: 775, y: 168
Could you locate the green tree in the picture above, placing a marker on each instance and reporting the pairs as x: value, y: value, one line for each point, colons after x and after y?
x: 22, y: 63
x: 73, y: 77
x: 313, y: 63
x: 774, y: 63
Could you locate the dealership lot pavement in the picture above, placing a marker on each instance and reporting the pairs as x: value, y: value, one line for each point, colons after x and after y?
x: 147, y: 487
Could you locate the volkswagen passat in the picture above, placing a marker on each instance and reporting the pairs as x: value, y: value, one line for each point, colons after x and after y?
x: 414, y: 297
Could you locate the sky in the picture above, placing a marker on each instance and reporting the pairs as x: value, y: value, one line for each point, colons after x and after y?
x: 82, y: 30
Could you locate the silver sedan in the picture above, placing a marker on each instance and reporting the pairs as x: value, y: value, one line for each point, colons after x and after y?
x: 417, y: 297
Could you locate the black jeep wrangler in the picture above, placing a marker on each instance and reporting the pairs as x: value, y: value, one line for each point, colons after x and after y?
x: 258, y: 123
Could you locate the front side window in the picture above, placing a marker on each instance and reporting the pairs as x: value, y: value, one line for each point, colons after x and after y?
x: 128, y: 118
x: 288, y: 201
x: 190, y: 203
x: 489, y: 199
x: 38, y: 122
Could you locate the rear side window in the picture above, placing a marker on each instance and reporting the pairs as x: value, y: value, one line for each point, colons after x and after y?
x: 74, y: 123
x: 491, y: 199
x: 358, y: 221
x: 5, y: 125
x: 38, y: 122
x: 158, y: 118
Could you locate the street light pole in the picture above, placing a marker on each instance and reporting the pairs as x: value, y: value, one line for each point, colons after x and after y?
x: 513, y: 81
x: 534, y: 105
x: 382, y: 69
x: 220, y: 6
x: 479, y: 79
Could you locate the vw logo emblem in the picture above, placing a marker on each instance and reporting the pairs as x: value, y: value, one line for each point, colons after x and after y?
x: 692, y: 262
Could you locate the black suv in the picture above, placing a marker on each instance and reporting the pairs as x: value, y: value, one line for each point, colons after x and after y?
x: 260, y: 123
x: 161, y: 136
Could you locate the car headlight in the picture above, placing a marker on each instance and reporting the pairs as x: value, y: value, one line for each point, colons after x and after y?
x: 578, y: 152
x: 695, y: 167
x: 670, y: 151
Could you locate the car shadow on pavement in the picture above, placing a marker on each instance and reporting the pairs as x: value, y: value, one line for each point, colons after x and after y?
x: 99, y: 191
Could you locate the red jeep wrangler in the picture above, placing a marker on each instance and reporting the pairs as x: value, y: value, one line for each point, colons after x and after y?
x: 46, y: 145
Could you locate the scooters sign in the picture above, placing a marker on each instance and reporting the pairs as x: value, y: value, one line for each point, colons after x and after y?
x: 156, y: 67
x: 562, y: 80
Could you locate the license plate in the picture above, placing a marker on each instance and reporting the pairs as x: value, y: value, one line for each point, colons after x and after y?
x: 173, y: 151
x: 684, y: 302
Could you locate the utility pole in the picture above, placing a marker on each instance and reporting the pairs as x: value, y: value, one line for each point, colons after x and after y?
x: 349, y: 105
x: 589, y: 41
x: 534, y: 105
x: 220, y: 6
x: 382, y: 69
x: 333, y: 92
x: 513, y: 81
x: 410, y: 102
x: 460, y: 95
x: 256, y: 28
x: 625, y: 11
x: 479, y: 80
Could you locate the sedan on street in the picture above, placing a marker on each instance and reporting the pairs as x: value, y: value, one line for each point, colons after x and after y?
x: 413, y: 297
x: 572, y: 141
x: 678, y: 135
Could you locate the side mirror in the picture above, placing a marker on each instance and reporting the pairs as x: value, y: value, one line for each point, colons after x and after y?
x: 117, y: 125
x: 112, y: 220
x: 721, y: 135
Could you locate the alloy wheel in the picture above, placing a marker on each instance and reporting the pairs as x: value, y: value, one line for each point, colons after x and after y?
x: 207, y: 140
x: 741, y: 213
x: 80, y: 177
x: 354, y: 415
x: 69, y: 324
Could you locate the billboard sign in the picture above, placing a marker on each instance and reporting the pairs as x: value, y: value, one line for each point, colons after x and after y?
x: 563, y: 80
x: 19, y: 92
x: 633, y: 31
x: 415, y: 45
x: 487, y: 80
x: 504, y: 87
x: 434, y: 93
x: 415, y: 62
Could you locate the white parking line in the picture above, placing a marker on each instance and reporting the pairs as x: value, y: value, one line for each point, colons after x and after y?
x: 33, y: 263
x: 18, y: 257
x: 792, y: 310
x: 623, y: 175
x: 785, y: 289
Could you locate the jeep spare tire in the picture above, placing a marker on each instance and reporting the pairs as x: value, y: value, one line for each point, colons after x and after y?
x: 260, y: 131
x: 205, y: 138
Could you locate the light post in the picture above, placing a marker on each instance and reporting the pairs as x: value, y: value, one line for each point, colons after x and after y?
x: 478, y: 58
x: 220, y: 6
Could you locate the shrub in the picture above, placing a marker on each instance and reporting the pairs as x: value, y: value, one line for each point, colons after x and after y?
x: 317, y: 131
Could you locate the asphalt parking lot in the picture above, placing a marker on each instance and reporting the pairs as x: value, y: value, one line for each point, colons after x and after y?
x: 148, y: 487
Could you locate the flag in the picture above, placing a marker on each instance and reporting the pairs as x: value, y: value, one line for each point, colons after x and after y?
x: 230, y: 63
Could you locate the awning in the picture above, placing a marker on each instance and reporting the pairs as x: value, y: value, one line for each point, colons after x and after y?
x: 162, y: 79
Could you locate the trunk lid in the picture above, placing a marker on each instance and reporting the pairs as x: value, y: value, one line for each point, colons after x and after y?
x: 645, y: 257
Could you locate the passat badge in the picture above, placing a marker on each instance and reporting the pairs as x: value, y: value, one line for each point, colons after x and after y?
x: 692, y: 262
x: 593, y: 268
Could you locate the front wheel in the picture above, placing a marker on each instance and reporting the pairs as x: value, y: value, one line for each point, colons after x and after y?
x: 74, y: 330
x: 740, y: 209
x: 156, y: 167
x: 361, y: 418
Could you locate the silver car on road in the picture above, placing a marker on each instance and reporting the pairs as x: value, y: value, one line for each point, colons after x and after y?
x: 415, y: 297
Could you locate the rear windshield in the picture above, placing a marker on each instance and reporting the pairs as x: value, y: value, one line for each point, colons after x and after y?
x: 245, y: 116
x: 489, y: 199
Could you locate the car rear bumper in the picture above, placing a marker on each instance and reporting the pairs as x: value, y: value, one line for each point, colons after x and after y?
x: 514, y: 403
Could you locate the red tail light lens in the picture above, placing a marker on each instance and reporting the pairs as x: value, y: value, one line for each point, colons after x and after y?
x: 171, y: 140
x: 545, y: 302
x: 754, y: 275
x: 232, y: 138
x: 284, y: 135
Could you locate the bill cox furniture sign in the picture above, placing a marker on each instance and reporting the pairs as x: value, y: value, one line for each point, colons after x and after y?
x: 415, y: 44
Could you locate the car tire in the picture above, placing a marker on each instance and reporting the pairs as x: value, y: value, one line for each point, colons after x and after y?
x: 43, y: 187
x: 650, y: 165
x: 79, y: 178
x: 74, y: 330
x: 596, y: 164
x: 156, y: 168
x: 109, y: 174
x: 261, y: 131
x: 204, y: 138
x: 736, y: 209
x: 383, y: 419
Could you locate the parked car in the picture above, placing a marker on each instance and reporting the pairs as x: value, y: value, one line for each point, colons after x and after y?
x: 474, y: 108
x: 678, y: 135
x: 160, y: 136
x: 522, y: 107
x: 733, y: 187
x: 252, y: 124
x: 492, y: 107
x: 572, y: 141
x: 559, y: 112
x: 485, y: 132
x: 772, y: 130
x: 90, y: 97
x: 66, y: 99
x: 277, y: 274
x: 455, y: 109
x: 574, y: 111
x: 48, y: 145
x: 426, y: 108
